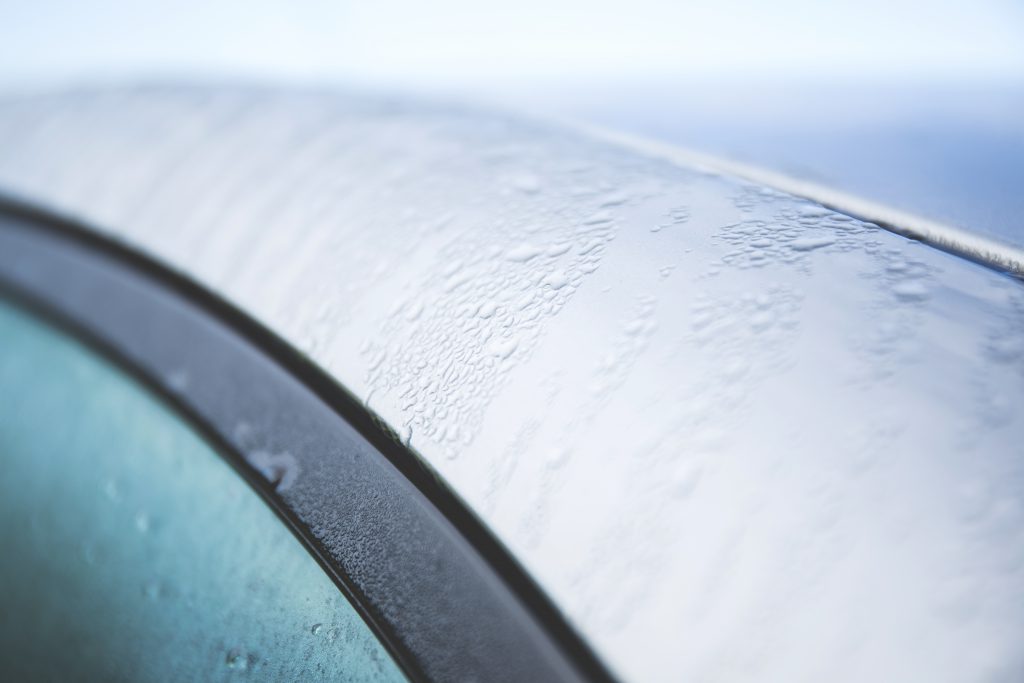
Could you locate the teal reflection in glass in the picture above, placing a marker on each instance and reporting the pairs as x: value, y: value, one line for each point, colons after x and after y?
x: 129, y: 550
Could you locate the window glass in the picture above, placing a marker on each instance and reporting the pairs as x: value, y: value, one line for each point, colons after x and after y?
x: 129, y: 550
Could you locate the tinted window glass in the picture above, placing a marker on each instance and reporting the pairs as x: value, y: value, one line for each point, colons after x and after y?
x: 129, y: 550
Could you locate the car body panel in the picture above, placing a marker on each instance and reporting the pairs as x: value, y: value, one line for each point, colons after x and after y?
x: 735, y: 435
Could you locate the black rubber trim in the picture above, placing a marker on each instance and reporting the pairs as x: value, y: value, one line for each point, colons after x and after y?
x: 441, y: 592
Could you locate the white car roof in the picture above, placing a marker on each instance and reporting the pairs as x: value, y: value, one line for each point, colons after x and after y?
x: 735, y: 435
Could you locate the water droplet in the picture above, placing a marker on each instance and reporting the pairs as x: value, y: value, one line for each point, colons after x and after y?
x: 316, y: 629
x: 735, y: 369
x: 615, y: 200
x: 556, y: 457
x: 686, y: 478
x: 811, y: 243
x: 414, y: 311
x: 280, y: 469
x: 456, y: 280
x: 598, y: 218
x: 635, y: 327
x: 112, y: 490
x: 523, y: 253
x: 910, y: 290
x: 527, y: 183
x: 375, y: 361
x: 503, y: 348
x: 761, y: 320
x: 556, y: 279
x: 178, y: 380
x: 486, y: 309
x: 813, y: 211
x: 236, y: 659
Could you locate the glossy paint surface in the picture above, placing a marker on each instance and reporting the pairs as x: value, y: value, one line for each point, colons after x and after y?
x: 735, y: 435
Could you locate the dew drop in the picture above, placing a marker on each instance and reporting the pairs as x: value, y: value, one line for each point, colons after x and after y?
x: 910, y: 290
x: 486, y: 309
x: 280, y: 469
x: 735, y: 369
x: 236, y: 659
x: 761, y: 321
x: 685, y: 479
x: 813, y: 211
x: 556, y: 457
x: 898, y: 266
x: 527, y: 183
x: 811, y: 243
x: 615, y: 200
x: 178, y: 380
x: 112, y: 490
x: 414, y: 311
x: 599, y: 218
x: 523, y: 253
x: 635, y: 327
x: 503, y: 348
x: 557, y: 279
x: 456, y: 280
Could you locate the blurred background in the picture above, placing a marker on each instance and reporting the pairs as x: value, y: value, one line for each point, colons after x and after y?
x: 916, y: 104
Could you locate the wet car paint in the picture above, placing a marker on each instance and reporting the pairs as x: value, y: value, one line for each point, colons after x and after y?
x: 732, y: 433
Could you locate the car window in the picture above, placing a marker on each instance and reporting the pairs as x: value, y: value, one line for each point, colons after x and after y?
x: 130, y: 550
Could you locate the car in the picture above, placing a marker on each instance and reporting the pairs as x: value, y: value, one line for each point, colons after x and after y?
x: 318, y: 384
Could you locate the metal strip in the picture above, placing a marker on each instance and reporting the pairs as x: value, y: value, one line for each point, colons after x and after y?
x: 963, y: 243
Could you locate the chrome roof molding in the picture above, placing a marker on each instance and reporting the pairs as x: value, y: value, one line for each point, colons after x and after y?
x: 969, y: 245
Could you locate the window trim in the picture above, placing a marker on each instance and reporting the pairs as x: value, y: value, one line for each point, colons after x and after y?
x: 452, y: 605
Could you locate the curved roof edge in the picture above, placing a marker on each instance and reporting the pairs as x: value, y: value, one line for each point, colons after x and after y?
x: 948, y: 238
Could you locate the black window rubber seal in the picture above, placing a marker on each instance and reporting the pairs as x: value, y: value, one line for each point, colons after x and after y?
x: 441, y: 592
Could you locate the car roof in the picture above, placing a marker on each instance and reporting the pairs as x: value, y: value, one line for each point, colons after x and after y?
x: 946, y: 152
x: 733, y: 433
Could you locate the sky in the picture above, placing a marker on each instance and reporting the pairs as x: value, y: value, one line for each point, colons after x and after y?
x: 460, y: 44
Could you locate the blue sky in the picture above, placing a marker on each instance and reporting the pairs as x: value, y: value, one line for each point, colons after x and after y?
x: 446, y: 44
